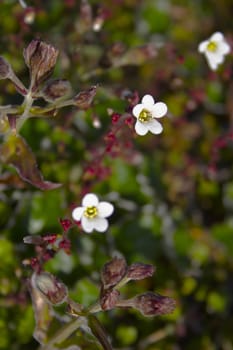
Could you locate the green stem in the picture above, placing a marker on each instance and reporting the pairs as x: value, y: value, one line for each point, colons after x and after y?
x: 62, y: 334
x: 27, y: 103
x: 9, y: 109
x: 94, y: 308
x: 36, y: 110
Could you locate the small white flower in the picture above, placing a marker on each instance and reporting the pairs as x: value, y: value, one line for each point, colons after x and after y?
x: 93, y: 213
x: 214, y: 49
x: 146, y: 113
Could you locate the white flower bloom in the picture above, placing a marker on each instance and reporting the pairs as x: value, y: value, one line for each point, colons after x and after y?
x: 146, y: 113
x: 93, y: 213
x: 214, y: 49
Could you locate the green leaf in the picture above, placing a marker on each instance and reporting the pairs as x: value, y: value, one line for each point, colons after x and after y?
x: 216, y: 302
x: 25, y: 325
x: 86, y: 292
x: 126, y: 334
x: 224, y: 233
x: 46, y: 209
x: 7, y: 255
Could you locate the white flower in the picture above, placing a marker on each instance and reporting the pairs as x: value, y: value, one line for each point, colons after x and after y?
x: 92, y: 213
x: 214, y: 49
x: 146, y: 113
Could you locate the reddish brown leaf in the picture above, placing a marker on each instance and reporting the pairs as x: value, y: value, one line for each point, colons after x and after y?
x: 16, y: 152
x: 43, y: 314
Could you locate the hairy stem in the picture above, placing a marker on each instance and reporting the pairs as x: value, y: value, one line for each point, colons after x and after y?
x: 27, y: 103
x: 63, y: 334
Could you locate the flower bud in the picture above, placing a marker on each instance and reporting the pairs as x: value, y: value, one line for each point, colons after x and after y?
x: 66, y: 224
x: 56, y: 89
x: 109, y: 298
x: 65, y: 244
x: 139, y: 271
x: 113, y: 272
x: 6, y: 72
x: 53, y: 290
x: 35, y: 239
x: 152, y: 304
x: 5, y: 68
x: 84, y: 99
x: 40, y: 59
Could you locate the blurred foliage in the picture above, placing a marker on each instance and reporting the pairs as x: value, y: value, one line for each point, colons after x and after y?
x: 173, y: 193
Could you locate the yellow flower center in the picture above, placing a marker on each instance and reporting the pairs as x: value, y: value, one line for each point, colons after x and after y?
x: 144, y: 116
x: 212, y: 46
x: 91, y: 212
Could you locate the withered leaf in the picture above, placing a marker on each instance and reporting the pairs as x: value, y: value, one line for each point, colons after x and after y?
x: 16, y: 152
x: 43, y: 314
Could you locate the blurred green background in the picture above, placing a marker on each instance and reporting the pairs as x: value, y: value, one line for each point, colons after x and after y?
x: 173, y: 193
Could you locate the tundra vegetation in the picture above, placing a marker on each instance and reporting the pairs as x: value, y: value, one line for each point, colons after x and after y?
x: 116, y: 175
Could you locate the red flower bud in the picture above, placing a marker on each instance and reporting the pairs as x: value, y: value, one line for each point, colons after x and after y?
x: 66, y: 224
x: 110, y: 136
x: 129, y: 121
x: 115, y: 117
x: 65, y: 244
x: 50, y: 238
x: 35, y: 265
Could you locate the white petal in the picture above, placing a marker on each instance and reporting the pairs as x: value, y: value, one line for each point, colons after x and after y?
x: 77, y: 213
x: 155, y: 127
x: 141, y: 129
x: 214, y: 60
x: 224, y: 48
x: 87, y: 224
x: 137, y: 109
x: 90, y: 200
x: 159, y: 110
x: 105, y: 209
x: 217, y: 37
x: 100, y: 224
x: 202, y: 46
x: 213, y: 65
x: 148, y: 101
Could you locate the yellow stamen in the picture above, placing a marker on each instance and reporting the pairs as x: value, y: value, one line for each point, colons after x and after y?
x: 144, y: 116
x: 212, y: 46
x: 91, y: 212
